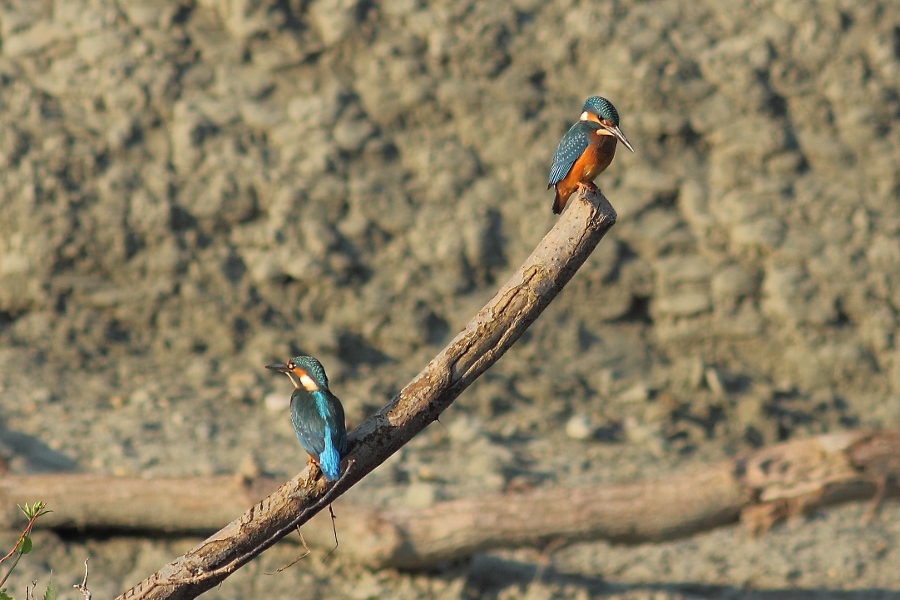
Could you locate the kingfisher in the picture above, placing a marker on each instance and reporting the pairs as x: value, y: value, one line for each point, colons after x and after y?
x: 585, y: 151
x: 316, y: 414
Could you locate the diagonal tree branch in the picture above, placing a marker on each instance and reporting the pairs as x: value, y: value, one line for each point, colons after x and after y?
x: 484, y: 340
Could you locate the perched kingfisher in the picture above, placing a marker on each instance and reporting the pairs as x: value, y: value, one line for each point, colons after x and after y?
x: 586, y: 150
x: 316, y: 413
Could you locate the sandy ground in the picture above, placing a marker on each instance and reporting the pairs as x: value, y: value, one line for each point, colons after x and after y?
x: 192, y: 190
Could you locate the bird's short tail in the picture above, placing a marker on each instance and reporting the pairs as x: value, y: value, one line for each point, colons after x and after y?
x: 559, y: 203
x: 330, y: 461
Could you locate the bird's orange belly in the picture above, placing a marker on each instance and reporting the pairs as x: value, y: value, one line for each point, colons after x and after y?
x: 593, y: 161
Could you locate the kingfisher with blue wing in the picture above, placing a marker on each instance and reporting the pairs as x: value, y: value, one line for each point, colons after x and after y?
x: 585, y: 151
x: 316, y: 414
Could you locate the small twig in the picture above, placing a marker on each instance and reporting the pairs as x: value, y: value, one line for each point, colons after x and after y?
x: 29, y: 590
x: 334, y: 530
x: 296, y: 560
x: 11, y: 567
x: 37, y: 512
x: 82, y: 587
x: 545, y: 560
x: 24, y: 534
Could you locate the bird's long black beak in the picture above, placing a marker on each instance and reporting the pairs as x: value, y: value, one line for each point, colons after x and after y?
x: 280, y: 367
x: 621, y: 136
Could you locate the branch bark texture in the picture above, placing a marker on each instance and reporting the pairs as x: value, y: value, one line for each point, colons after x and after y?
x: 484, y: 340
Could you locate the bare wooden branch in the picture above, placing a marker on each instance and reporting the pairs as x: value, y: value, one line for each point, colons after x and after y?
x: 759, y: 488
x: 484, y: 340
x: 83, y: 587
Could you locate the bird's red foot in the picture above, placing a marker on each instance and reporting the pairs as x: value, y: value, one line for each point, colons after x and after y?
x: 588, y: 187
x: 311, y: 460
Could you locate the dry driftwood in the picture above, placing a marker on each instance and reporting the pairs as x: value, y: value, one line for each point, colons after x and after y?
x: 759, y: 487
x: 484, y: 340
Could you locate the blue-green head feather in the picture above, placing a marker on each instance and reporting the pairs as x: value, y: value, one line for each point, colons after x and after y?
x: 313, y: 368
x: 603, y: 108
x: 304, y: 371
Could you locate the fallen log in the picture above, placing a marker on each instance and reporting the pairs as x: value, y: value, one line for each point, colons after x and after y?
x: 759, y: 488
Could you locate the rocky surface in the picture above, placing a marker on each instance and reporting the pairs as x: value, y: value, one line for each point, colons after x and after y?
x: 191, y: 190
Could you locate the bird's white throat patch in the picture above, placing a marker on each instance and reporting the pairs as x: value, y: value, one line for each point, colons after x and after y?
x: 307, y: 382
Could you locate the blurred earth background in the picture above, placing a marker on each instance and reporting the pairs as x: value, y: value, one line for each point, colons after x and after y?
x: 193, y: 190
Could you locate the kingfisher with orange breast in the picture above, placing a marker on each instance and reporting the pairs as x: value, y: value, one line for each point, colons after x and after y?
x: 585, y: 151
